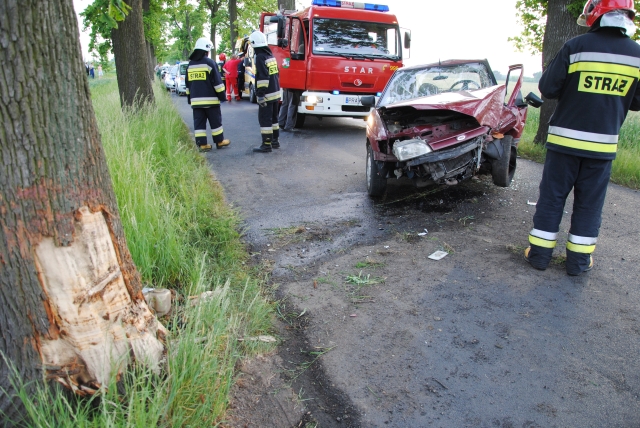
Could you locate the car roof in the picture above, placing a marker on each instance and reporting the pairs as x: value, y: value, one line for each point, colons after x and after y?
x: 448, y: 62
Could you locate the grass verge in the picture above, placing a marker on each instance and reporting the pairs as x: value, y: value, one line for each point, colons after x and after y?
x: 626, y: 167
x: 184, y: 236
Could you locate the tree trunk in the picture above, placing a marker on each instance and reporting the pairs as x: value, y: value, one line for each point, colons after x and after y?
x: 561, y: 26
x: 214, y: 6
x: 130, y: 53
x: 151, y: 58
x: 287, y: 4
x: 233, y: 19
x: 70, y: 295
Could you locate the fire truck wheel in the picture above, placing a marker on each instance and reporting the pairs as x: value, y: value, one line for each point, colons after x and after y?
x: 300, y: 120
x: 376, y: 185
x: 253, y: 98
x: 503, y: 169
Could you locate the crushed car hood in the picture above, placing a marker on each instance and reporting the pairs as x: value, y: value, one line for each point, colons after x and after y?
x: 485, y: 105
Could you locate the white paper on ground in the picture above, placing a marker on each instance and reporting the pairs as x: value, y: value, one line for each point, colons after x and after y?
x: 438, y: 255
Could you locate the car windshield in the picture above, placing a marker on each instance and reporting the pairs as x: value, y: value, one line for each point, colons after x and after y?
x: 174, y: 70
x: 420, y: 82
x: 355, y: 39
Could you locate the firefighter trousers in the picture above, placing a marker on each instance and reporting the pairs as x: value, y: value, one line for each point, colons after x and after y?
x: 200, y: 117
x: 589, y: 179
x: 268, y: 119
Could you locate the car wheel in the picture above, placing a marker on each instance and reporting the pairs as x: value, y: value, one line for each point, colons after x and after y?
x: 300, y: 120
x: 503, y: 169
x: 252, y: 95
x: 376, y: 185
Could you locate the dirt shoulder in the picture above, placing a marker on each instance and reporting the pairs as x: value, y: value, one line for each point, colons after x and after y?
x: 374, y: 333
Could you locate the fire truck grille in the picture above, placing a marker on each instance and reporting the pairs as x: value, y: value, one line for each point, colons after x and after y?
x: 352, y: 85
x: 356, y: 109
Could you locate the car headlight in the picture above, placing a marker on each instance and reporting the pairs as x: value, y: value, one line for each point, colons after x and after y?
x: 409, y: 149
x: 313, y: 99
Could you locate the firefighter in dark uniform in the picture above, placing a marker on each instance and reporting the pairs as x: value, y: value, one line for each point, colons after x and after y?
x: 595, y: 79
x: 205, y: 92
x: 222, y: 61
x: 267, y: 91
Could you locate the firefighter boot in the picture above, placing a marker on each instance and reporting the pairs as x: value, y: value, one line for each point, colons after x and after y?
x: 264, y: 148
x: 204, y: 147
x: 223, y: 143
x: 275, y: 144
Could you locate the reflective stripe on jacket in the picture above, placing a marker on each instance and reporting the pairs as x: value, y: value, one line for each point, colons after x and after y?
x: 267, y: 77
x: 204, y: 85
x: 595, y: 79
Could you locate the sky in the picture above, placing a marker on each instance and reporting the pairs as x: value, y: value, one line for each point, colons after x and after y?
x: 440, y: 30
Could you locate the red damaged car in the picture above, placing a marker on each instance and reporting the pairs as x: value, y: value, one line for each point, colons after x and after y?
x: 445, y: 122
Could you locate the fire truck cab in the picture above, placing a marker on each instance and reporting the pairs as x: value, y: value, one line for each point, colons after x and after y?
x: 334, y: 52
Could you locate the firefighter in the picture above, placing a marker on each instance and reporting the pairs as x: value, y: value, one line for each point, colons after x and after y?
x: 205, y: 92
x: 222, y: 61
x: 267, y: 91
x: 595, y: 79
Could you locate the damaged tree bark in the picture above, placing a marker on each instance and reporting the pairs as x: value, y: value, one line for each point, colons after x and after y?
x: 70, y: 295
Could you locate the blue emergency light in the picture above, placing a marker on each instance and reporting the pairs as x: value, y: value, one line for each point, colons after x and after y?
x: 352, y: 5
x: 335, y: 92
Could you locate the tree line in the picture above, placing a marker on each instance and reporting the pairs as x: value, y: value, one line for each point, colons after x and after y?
x: 141, y: 33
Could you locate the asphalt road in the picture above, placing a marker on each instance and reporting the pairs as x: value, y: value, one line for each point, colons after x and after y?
x: 476, y: 339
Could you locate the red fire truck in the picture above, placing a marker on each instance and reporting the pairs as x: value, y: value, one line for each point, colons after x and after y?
x: 334, y: 52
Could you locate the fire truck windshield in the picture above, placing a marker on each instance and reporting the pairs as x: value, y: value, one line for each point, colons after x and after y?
x: 356, y: 39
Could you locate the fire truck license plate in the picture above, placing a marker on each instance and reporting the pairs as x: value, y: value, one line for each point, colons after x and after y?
x: 352, y: 100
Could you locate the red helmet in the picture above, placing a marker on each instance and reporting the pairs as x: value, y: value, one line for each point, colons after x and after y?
x: 594, y: 9
x: 222, y: 57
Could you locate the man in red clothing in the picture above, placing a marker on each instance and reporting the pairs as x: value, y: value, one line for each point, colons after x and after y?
x: 231, y: 71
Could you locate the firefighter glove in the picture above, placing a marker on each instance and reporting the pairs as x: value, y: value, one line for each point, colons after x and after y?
x: 262, y: 102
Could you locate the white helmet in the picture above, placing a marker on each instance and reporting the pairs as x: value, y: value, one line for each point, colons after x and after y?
x: 204, y: 44
x: 258, y: 39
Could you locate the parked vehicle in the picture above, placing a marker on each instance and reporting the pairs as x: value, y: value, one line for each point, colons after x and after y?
x: 181, y: 78
x: 442, y: 123
x: 335, y: 52
x: 170, y: 78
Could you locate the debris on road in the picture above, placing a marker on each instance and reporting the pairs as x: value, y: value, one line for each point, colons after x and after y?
x: 438, y: 255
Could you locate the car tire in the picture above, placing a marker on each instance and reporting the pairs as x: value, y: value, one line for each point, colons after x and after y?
x: 253, y: 98
x: 376, y: 185
x: 300, y: 120
x: 503, y: 169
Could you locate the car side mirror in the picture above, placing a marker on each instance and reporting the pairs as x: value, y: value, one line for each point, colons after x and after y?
x: 247, y: 62
x: 533, y: 100
x: 283, y: 43
x: 368, y: 100
x: 407, y: 40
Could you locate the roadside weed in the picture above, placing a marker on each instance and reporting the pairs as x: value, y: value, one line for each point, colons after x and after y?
x: 360, y: 280
x: 369, y: 263
x: 466, y: 219
x: 288, y: 235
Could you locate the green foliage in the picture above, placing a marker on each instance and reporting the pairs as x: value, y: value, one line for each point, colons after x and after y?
x: 185, y: 25
x: 102, y: 16
x: 248, y: 21
x: 532, y: 14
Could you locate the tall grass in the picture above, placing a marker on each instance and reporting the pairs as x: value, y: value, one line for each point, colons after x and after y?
x: 182, y: 235
x: 165, y: 193
x: 626, y: 167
